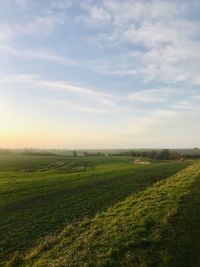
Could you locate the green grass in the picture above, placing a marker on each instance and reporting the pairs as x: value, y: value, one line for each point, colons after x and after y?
x: 36, y: 204
x: 156, y: 227
x: 23, y: 162
x: 181, y: 239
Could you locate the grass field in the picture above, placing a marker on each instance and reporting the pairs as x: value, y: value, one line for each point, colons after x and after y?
x: 158, y: 226
x: 35, y: 204
x: 23, y: 162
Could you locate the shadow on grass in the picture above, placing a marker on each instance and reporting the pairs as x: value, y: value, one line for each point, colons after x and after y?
x: 182, y: 238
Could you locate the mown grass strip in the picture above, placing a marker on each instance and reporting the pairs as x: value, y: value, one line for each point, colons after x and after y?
x: 128, y: 234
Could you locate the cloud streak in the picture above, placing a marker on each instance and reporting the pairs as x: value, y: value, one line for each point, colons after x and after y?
x: 155, y: 95
x: 35, y: 81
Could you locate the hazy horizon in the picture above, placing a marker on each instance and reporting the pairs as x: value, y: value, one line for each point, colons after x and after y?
x: 98, y: 149
x: 99, y: 74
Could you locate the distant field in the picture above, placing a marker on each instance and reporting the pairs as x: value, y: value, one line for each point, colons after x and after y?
x: 158, y: 226
x: 23, y: 162
x: 37, y: 203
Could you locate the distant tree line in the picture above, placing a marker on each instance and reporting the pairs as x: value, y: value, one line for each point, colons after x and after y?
x: 92, y: 154
x: 87, y: 154
x: 164, y: 154
x: 192, y: 156
x: 32, y: 152
x: 5, y: 151
x: 156, y: 154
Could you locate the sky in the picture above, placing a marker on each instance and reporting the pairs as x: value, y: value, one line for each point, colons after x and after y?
x: 99, y: 74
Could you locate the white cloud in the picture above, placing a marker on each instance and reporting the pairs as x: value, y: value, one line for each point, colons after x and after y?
x: 72, y: 97
x: 23, y: 3
x: 97, y: 15
x: 169, y: 38
x: 155, y: 118
x: 81, y: 108
x: 71, y: 88
x: 36, y: 81
x: 48, y: 55
x: 39, y: 25
x: 6, y: 33
x: 55, y: 4
x: 22, y: 78
x: 163, y: 40
x: 31, y: 54
x: 61, y: 4
x: 154, y: 95
x: 164, y: 128
x: 191, y: 104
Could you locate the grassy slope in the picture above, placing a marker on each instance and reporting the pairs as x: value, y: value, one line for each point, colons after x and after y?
x: 181, y: 239
x: 134, y: 232
x: 33, y: 205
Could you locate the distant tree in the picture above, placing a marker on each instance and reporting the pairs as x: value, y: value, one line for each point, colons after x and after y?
x: 137, y: 153
x: 74, y: 153
x: 144, y: 154
x: 132, y: 153
x: 174, y: 155
x: 189, y: 156
x: 152, y: 154
x: 163, y: 154
x: 100, y: 154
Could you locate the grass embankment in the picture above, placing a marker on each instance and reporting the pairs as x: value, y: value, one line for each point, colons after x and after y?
x: 134, y: 232
x: 33, y: 205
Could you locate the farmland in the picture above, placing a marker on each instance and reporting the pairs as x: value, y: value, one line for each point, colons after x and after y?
x: 41, y: 195
x: 156, y: 227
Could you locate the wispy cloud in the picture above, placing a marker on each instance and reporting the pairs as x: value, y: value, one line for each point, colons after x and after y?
x: 41, y: 25
x: 74, y: 89
x: 61, y: 4
x: 36, y: 81
x: 162, y: 28
x: 44, y: 24
x: 6, y: 33
x: 22, y: 3
x: 155, y: 118
x: 31, y: 54
x: 162, y: 37
x: 98, y: 15
x: 84, y: 108
x: 155, y: 95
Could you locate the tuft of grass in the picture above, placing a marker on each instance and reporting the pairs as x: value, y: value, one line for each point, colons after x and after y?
x: 131, y: 233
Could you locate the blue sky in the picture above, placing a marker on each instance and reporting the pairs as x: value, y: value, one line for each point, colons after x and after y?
x: 99, y: 74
